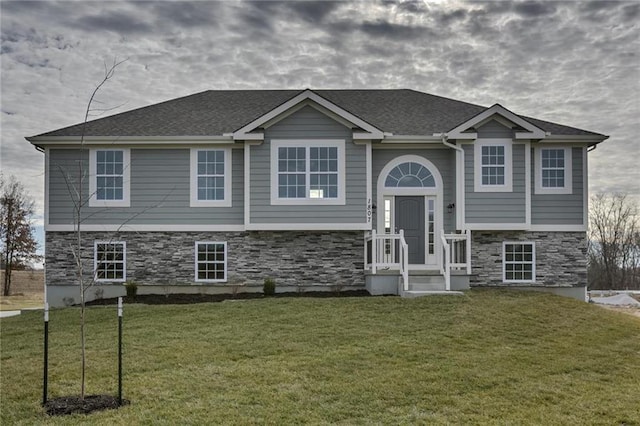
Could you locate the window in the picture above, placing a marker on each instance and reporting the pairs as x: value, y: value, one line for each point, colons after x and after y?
x: 493, y: 165
x: 110, y: 261
x: 410, y: 175
x: 309, y: 172
x: 211, y: 261
x: 553, y: 171
x: 109, y: 184
x: 519, y: 262
x: 211, y: 177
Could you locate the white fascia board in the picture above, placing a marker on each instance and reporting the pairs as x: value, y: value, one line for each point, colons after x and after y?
x: 577, y: 139
x: 373, y: 133
x: 308, y: 227
x: 497, y: 226
x: 395, y: 139
x: 558, y: 228
x: 128, y: 140
x: 534, y: 132
x: 144, y: 228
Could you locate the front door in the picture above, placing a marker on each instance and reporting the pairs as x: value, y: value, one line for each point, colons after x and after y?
x: 409, y: 215
x: 416, y: 215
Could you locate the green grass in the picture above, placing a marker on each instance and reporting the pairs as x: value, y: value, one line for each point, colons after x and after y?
x: 490, y: 357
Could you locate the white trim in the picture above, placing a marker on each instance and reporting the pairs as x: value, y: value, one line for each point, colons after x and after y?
x: 527, y: 182
x: 308, y: 227
x: 126, y: 179
x: 47, y: 177
x: 306, y: 144
x: 193, y: 180
x: 533, y: 132
x: 497, y: 226
x: 125, y: 140
x: 196, y: 262
x: 437, y: 191
x: 508, y: 165
x: 247, y: 184
x: 558, y: 228
x: 145, y: 228
x: 585, y: 188
x: 533, y: 262
x: 243, y: 132
x: 369, y: 183
x: 568, y: 171
x: 124, y: 261
x: 524, y: 227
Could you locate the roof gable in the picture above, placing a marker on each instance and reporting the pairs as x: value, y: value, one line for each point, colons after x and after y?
x: 524, y: 129
x: 307, y: 97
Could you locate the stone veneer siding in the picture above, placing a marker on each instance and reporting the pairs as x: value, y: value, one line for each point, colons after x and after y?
x: 561, y: 258
x: 292, y: 258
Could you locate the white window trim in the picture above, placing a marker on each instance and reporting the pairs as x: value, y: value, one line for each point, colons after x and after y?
x: 568, y: 172
x: 307, y: 143
x: 124, y: 261
x: 195, y: 258
x: 194, y: 202
x: 504, y: 261
x: 126, y: 180
x: 508, y: 165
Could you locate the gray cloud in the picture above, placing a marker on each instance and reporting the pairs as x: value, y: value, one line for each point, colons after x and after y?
x: 116, y: 21
x: 571, y: 62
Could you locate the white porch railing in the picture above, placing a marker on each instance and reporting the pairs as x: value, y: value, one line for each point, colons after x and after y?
x: 387, y: 251
x: 456, y: 255
x: 391, y: 252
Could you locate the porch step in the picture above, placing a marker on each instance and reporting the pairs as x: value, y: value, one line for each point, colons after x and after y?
x: 426, y: 282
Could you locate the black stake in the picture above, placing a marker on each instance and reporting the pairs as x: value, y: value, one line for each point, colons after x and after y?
x: 46, y: 354
x: 119, y: 350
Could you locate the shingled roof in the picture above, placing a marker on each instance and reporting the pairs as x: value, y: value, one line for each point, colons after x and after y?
x: 216, y: 112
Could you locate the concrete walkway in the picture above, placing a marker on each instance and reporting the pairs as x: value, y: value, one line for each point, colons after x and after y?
x: 5, y: 314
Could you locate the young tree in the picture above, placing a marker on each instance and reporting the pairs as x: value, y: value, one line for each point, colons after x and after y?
x: 613, y: 241
x: 16, y: 231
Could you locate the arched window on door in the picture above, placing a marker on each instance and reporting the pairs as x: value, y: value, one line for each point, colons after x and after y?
x: 410, y: 175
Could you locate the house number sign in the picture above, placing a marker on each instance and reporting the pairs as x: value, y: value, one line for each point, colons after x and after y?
x: 369, y: 210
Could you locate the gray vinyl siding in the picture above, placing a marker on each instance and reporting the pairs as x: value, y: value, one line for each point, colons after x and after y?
x: 160, y: 192
x: 493, y: 129
x: 308, y: 123
x: 496, y: 207
x: 561, y: 209
x: 445, y: 162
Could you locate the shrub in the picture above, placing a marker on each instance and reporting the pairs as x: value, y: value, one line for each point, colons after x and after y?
x: 269, y: 287
x: 132, y: 289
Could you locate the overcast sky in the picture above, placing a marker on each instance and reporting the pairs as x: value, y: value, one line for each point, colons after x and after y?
x: 576, y: 63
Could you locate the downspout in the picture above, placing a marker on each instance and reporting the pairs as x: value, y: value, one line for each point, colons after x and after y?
x: 459, y: 179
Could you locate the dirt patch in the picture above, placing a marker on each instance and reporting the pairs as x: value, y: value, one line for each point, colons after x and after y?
x: 65, y: 405
x: 180, y: 299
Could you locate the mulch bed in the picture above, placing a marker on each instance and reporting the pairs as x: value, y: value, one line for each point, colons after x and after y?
x: 181, y: 298
x: 65, y: 405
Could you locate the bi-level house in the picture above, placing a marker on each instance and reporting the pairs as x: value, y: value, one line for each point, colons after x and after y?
x: 395, y: 191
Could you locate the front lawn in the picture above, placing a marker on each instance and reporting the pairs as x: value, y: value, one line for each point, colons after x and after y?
x: 487, y: 357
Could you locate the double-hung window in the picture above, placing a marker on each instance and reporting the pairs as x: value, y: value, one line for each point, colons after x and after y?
x: 518, y: 261
x: 553, y: 170
x: 493, y: 163
x: 110, y: 261
x: 211, y: 261
x: 211, y: 177
x: 109, y: 184
x: 307, y: 172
